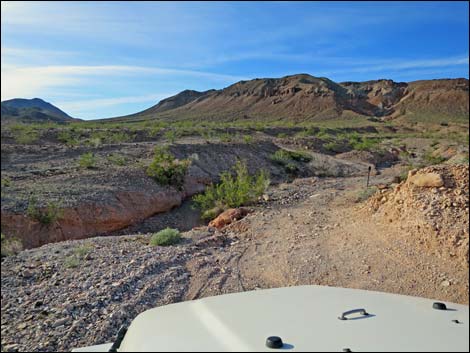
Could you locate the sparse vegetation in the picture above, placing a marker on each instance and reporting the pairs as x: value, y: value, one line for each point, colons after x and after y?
x: 87, y: 160
x: 430, y: 159
x: 117, y: 159
x: 332, y: 146
x: 248, y: 138
x: 68, y: 137
x: 24, y: 134
x: 166, y: 237
x: 79, y: 254
x: 166, y: 169
x: 366, y: 193
x: 288, y: 158
x: 6, y: 182
x: 171, y: 136
x: 233, y: 190
x: 11, y: 246
x: 45, y: 215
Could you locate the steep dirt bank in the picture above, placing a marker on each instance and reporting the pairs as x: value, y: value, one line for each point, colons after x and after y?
x: 108, y: 198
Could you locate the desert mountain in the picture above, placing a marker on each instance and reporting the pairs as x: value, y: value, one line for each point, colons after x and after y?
x: 32, y: 110
x: 304, y: 97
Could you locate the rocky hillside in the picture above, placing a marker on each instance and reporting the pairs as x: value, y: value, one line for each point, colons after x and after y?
x: 433, y: 205
x: 32, y: 110
x: 304, y: 97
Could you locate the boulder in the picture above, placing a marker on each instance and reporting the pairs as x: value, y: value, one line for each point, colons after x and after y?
x: 228, y: 216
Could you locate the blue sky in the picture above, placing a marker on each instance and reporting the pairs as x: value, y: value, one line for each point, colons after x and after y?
x: 104, y: 59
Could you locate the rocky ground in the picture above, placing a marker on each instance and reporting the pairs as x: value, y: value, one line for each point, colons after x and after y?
x: 310, y: 231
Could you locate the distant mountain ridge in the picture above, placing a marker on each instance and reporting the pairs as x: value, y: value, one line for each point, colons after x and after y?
x: 32, y: 110
x: 305, y: 97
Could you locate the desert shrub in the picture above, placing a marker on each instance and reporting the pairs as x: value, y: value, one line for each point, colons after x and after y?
x: 287, y: 159
x: 430, y: 159
x: 366, y: 193
x: 171, y: 135
x: 332, y: 146
x: 79, y: 254
x: 306, y: 132
x: 165, y: 237
x: 118, y: 137
x: 281, y: 135
x: 117, y: 159
x: 165, y: 169
x: 68, y: 137
x: 323, y: 133
x: 233, y: 190
x: 248, y: 138
x: 6, y: 182
x: 225, y: 137
x: 154, y: 130
x: 72, y: 261
x: 87, y: 160
x: 24, y: 134
x: 44, y: 215
x: 364, y: 144
x: 11, y: 246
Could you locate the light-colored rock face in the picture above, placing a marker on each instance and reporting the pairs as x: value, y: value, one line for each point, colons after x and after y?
x: 428, y: 180
x: 433, y: 203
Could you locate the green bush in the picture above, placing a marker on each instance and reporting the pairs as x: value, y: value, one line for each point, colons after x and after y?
x: 225, y: 137
x: 364, y: 144
x: 165, y: 169
x: 6, y: 182
x: 117, y: 159
x: 165, y: 237
x: 332, y: 146
x: 48, y: 215
x: 10, y: 246
x: 87, y: 160
x: 233, y: 190
x: 171, y: 135
x: 68, y: 137
x: 248, y: 138
x: 24, y: 134
x: 287, y: 159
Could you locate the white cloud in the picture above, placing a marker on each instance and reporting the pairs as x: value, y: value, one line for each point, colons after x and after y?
x: 90, y: 104
x: 400, y: 65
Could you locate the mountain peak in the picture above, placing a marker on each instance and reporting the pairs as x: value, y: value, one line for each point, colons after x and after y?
x: 32, y: 110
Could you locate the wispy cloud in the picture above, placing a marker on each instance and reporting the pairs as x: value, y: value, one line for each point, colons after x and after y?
x: 398, y: 65
x: 81, y: 106
x: 19, y: 81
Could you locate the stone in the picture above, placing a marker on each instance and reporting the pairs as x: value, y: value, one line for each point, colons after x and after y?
x: 228, y: 216
x: 60, y: 322
x: 427, y: 180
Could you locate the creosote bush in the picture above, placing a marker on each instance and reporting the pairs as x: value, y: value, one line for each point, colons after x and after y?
x: 288, y: 158
x: 232, y: 191
x: 87, y: 160
x: 165, y: 237
x: 165, y: 169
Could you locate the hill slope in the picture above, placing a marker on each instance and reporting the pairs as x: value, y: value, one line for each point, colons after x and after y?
x: 304, y: 97
x: 32, y: 110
